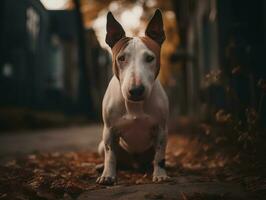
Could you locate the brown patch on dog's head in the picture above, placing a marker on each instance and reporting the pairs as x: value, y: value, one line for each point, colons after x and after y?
x: 120, y: 45
x: 156, y: 49
x: 155, y: 36
x: 118, y: 41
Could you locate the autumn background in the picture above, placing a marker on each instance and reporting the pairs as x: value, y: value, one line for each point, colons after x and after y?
x: 55, y: 67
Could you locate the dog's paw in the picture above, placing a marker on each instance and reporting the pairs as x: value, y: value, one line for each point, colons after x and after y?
x: 158, y: 179
x: 160, y: 175
x: 106, y: 180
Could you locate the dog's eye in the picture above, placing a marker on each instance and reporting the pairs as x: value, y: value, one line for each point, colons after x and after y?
x: 122, y: 58
x: 149, y: 58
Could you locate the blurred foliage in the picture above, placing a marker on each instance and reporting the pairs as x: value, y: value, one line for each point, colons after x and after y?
x: 239, y: 124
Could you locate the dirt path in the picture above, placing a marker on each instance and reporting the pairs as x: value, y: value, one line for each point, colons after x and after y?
x: 51, y: 140
x: 183, y: 188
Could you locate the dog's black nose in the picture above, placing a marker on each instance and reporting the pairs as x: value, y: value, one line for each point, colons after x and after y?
x: 136, y: 91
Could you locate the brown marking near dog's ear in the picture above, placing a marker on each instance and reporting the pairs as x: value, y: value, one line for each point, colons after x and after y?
x: 120, y: 45
x: 156, y: 49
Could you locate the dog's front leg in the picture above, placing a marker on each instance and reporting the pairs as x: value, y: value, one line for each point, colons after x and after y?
x: 108, y: 176
x: 159, y: 173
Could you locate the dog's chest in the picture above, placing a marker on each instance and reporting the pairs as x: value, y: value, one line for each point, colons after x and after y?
x: 136, y: 132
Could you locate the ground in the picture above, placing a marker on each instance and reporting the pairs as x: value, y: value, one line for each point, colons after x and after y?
x: 61, y: 164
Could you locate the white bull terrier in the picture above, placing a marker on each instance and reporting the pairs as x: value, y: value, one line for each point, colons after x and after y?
x: 135, y: 106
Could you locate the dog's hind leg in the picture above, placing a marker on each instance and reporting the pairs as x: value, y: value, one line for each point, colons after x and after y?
x: 100, y: 167
x: 101, y: 148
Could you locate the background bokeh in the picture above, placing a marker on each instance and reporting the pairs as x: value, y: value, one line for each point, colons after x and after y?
x: 55, y: 65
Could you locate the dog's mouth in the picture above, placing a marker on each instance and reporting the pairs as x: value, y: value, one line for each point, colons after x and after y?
x: 135, y: 98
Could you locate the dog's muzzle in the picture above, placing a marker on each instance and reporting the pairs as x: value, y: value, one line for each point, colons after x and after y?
x: 136, y: 93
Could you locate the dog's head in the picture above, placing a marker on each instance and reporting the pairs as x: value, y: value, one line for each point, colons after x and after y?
x: 136, y: 61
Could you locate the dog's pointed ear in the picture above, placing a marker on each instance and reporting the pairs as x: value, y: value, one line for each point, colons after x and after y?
x: 114, y: 30
x: 154, y: 29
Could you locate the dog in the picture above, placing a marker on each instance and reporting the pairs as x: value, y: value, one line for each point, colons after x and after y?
x: 135, y: 105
